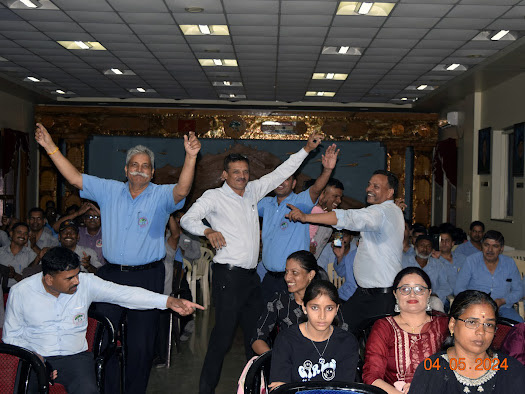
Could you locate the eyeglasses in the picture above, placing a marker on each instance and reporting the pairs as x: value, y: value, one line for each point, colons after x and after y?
x: 418, y: 290
x: 473, y: 324
x: 92, y: 217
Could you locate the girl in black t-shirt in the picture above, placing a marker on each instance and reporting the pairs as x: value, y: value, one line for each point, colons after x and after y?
x: 315, y: 350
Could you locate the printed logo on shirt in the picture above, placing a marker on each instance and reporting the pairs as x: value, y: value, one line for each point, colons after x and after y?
x: 284, y: 225
x: 309, y: 370
x: 99, y: 243
x: 143, y: 222
x: 79, y: 319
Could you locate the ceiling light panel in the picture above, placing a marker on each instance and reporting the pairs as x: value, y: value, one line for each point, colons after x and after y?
x: 330, y: 76
x: 364, y: 8
x: 342, y: 50
x: 203, y: 30
x: 118, y: 72
x: 82, y: 45
x: 312, y: 93
x: 218, y: 62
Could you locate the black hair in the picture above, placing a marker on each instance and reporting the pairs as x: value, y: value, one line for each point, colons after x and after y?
x: 446, y: 227
x: 423, y: 237
x: 494, y: 235
x: 477, y: 223
x: 308, y: 262
x: 419, y: 228
x: 18, y: 225
x: 335, y: 183
x: 232, y: 158
x: 462, y: 302
x: 411, y: 270
x: 72, y: 208
x: 59, y: 259
x: 319, y: 287
x: 36, y: 209
x: 459, y: 236
x: 393, y: 182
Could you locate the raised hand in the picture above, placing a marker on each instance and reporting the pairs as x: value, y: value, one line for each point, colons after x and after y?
x: 313, y: 142
x: 400, y: 203
x: 191, y: 144
x: 329, y: 159
x: 295, y: 214
x: 43, y: 138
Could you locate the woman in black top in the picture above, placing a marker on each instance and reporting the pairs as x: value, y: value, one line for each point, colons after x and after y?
x: 286, y: 309
x: 468, y: 365
x: 315, y: 350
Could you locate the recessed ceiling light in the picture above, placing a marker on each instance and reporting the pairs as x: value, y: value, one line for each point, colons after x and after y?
x: 404, y: 98
x: 60, y: 91
x: 499, y: 35
x: 330, y: 76
x: 227, y: 83
x: 231, y: 96
x: 3, y: 59
x: 201, y: 30
x: 31, y: 3
x: 453, y: 66
x: 141, y: 90
x: 33, y: 79
x: 218, y: 62
x: 364, y: 8
x: 343, y: 50
x: 116, y: 71
x: 422, y: 87
x: 194, y: 10
x: 320, y: 94
x: 83, y: 45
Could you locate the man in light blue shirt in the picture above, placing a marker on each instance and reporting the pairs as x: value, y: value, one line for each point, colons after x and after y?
x: 47, y: 313
x: 433, y: 268
x: 494, y: 273
x: 472, y: 246
x: 134, y: 217
x: 280, y: 236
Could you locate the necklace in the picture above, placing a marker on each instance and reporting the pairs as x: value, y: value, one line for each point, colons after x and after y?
x: 414, y: 328
x: 321, y: 358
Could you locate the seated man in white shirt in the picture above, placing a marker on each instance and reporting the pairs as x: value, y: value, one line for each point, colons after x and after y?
x: 68, y: 237
x: 16, y: 255
x: 47, y: 314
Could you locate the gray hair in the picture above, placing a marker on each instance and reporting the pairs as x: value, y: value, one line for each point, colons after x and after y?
x: 140, y: 149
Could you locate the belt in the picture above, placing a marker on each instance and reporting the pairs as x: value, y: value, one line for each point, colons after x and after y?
x: 376, y: 290
x: 134, y: 267
x: 276, y: 274
x: 234, y: 268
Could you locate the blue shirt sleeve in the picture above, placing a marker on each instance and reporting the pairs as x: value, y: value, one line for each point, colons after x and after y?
x: 98, y: 189
x: 464, y: 277
x: 262, y: 204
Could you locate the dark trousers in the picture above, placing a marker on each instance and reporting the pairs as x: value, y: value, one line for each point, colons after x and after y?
x: 75, y: 372
x: 142, y: 328
x: 237, y: 299
x: 272, y: 283
x: 366, y: 304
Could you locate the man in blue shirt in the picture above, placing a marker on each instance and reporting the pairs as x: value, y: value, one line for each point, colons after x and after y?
x: 134, y: 217
x: 477, y: 229
x: 47, y: 313
x: 280, y: 236
x: 433, y: 267
x: 493, y: 273
x: 344, y: 264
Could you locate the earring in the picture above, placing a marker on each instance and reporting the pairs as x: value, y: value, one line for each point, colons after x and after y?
x: 396, y: 307
x: 429, y: 308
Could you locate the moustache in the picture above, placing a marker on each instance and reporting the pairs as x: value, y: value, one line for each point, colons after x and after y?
x: 138, y: 173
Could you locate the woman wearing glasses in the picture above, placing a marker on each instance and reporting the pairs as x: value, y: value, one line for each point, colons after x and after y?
x: 468, y: 365
x: 397, y: 344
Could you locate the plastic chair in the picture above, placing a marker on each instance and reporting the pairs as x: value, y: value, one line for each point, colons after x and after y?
x: 260, y: 369
x: 327, y: 388
x: 200, y: 270
x: 334, y: 278
x: 16, y: 365
x: 519, y: 259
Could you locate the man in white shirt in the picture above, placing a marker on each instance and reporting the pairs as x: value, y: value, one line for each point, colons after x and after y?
x: 231, y: 210
x: 16, y: 255
x: 47, y: 314
x: 378, y: 257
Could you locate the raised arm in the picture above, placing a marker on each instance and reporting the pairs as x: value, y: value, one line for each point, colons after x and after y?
x: 329, y: 161
x: 192, y: 146
x: 296, y: 215
x: 64, y: 166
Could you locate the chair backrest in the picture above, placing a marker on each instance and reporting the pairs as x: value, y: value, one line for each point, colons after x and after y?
x: 202, y: 264
x: 334, y: 278
x: 327, y: 388
x: 16, y: 365
x: 504, y: 326
x: 252, y: 383
x: 519, y: 259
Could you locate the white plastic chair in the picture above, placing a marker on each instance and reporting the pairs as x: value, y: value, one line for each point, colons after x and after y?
x: 334, y: 278
x: 200, y: 270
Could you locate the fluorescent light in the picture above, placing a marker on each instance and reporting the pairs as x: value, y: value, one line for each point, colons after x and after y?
x: 404, y: 99
x: 422, y: 87
x: 320, y: 93
x: 232, y: 96
x: 217, y: 62
x: 33, y: 79
x: 453, y: 66
x: 116, y: 71
x: 141, y: 90
x: 227, y: 83
x: 29, y: 4
x: 499, y: 35
x: 204, y: 29
x: 82, y: 45
x: 330, y: 76
x: 364, y: 8
x: 343, y: 50
x: 60, y: 91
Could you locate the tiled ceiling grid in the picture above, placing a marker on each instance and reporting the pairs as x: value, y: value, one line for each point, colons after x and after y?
x: 277, y: 44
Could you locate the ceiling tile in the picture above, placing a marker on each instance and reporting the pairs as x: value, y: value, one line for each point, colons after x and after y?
x: 138, y: 5
x: 421, y: 10
x: 251, y: 7
x: 82, y: 5
x: 106, y: 28
x: 147, y: 18
x: 393, y: 33
x: 200, y: 19
x: 410, y: 23
x: 478, y: 11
